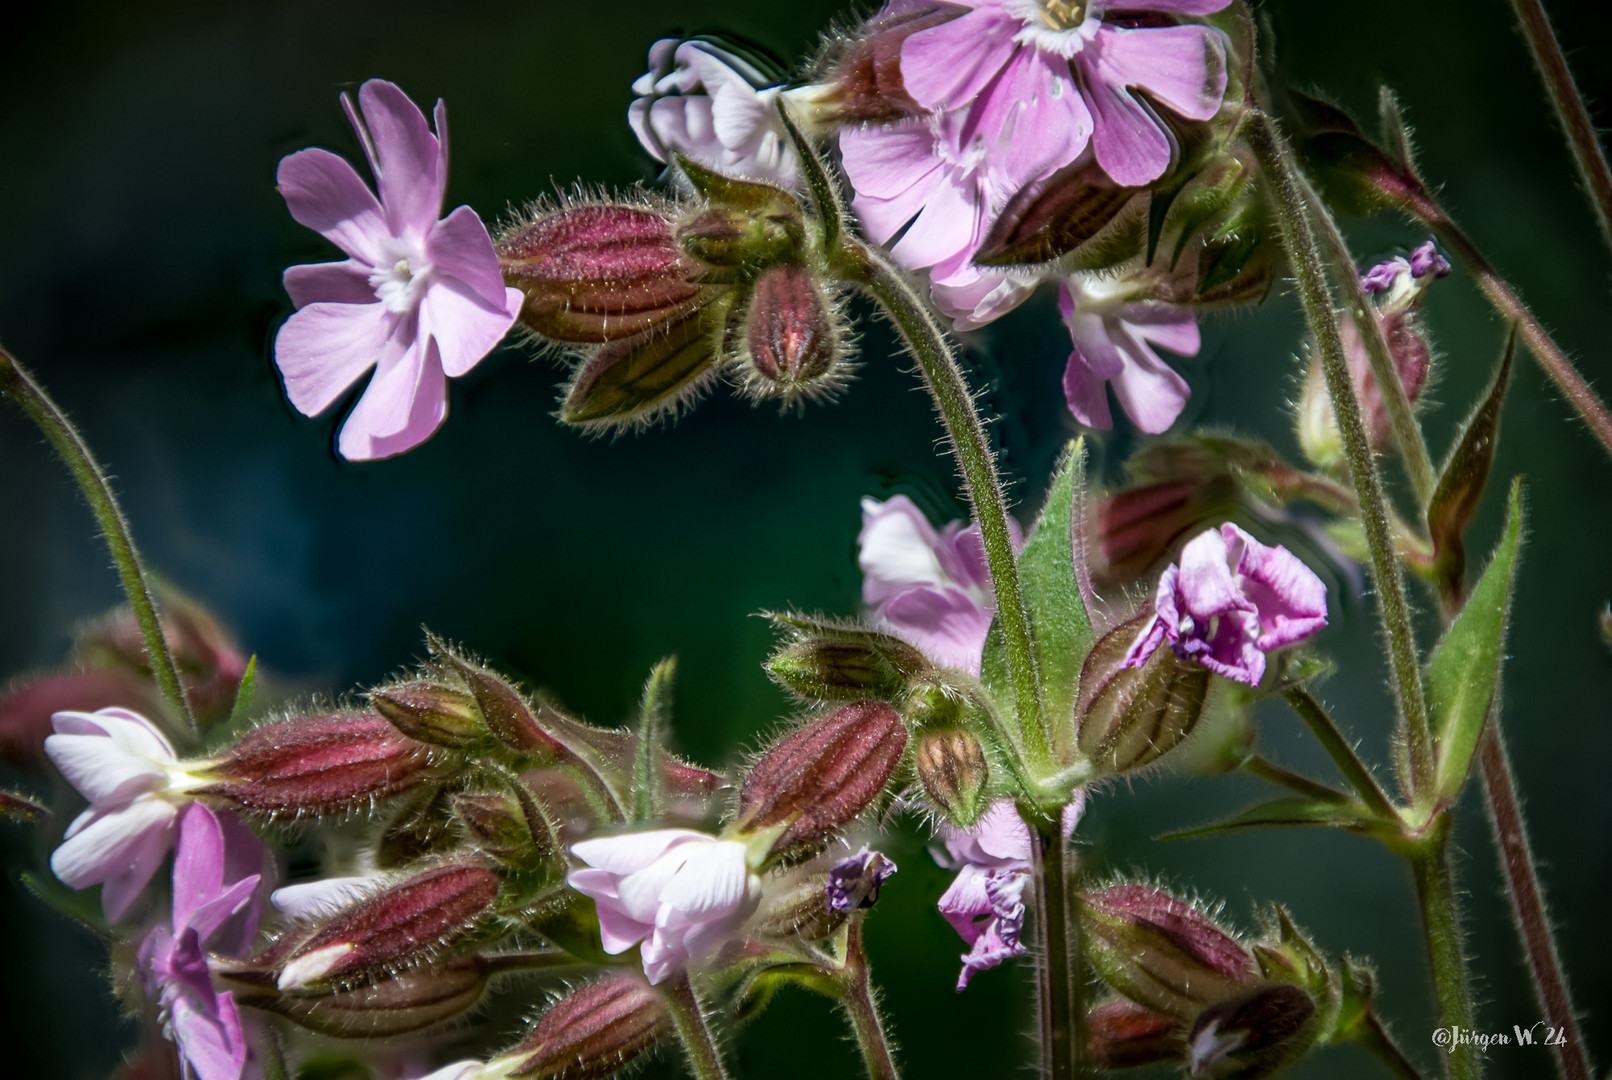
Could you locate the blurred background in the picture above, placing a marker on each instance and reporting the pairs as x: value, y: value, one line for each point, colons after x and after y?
x: 143, y: 242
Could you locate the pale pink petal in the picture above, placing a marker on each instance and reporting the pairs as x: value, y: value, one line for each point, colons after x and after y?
x: 947, y: 66
x: 712, y: 882
x: 1290, y: 598
x: 896, y: 549
x: 335, y: 282
x: 402, y: 406
x: 460, y: 247
x: 325, y: 194
x: 324, y: 348
x: 198, y: 863
x: 885, y: 162
x: 211, y: 1040
x: 313, y: 899
x: 1126, y: 138
x: 125, y: 727
x: 103, y: 771
x: 619, y: 931
x: 947, y: 226
x: 946, y: 624
x: 1002, y: 834
x: 464, y: 328
x: 407, y: 157
x: 965, y: 902
x: 681, y: 124
x: 1165, y: 326
x: 630, y: 852
x: 1206, y: 584
x: 639, y: 895
x: 1086, y: 393
x: 982, y: 300
x: 1181, y: 67
x: 1150, y: 391
x: 1051, y: 125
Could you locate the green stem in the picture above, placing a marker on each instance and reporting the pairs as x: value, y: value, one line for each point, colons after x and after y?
x: 688, y: 1015
x: 1435, y: 890
x: 1059, y: 1014
x: 1268, y: 770
x: 966, y: 432
x: 20, y: 386
x: 1303, y: 250
x: 1588, y: 154
x: 1343, y: 755
x: 536, y: 960
x: 858, y: 1001
x: 1371, y: 1034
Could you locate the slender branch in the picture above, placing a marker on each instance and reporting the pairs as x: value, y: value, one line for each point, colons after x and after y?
x: 1371, y: 1034
x: 20, y: 386
x: 1338, y: 748
x: 966, y: 432
x: 1588, y: 154
x: 1060, y: 1017
x: 688, y: 1015
x: 859, y: 1004
x: 535, y: 960
x: 1528, y: 905
x: 1303, y: 250
x: 1266, y: 769
x: 1435, y: 891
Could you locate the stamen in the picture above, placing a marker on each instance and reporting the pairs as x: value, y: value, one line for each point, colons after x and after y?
x: 1063, y: 14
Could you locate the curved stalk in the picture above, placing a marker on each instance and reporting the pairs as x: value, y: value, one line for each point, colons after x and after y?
x: 70, y: 446
x: 1374, y: 1037
x: 688, y: 1016
x: 1269, y: 771
x: 1343, y: 755
x: 857, y: 999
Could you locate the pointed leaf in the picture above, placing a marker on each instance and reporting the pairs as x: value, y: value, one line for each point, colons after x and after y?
x: 825, y: 194
x: 1465, y: 669
x: 1059, y: 624
x: 1461, y: 483
x: 243, y: 696
x: 638, y: 379
x: 647, y: 786
x: 1348, y: 815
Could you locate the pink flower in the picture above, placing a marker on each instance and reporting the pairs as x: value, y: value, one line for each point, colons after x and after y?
x: 121, y: 763
x: 1115, y: 338
x: 931, y: 587
x: 1229, y: 602
x: 682, y: 893
x: 418, y: 299
x: 215, y: 902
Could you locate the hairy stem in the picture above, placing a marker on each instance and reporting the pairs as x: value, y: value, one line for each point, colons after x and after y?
x: 1435, y: 891
x: 20, y: 386
x: 1371, y: 1034
x: 1061, y: 1019
x: 1268, y: 770
x: 966, y: 433
x: 1588, y: 154
x: 859, y: 1004
x: 688, y: 1015
x: 535, y: 960
x: 1338, y: 748
x: 1304, y: 252
x: 1528, y: 905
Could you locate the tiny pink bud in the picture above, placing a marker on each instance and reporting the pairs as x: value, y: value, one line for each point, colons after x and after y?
x: 821, y: 777
x: 592, y: 1032
x: 790, y: 335
x: 1162, y: 952
x: 431, y: 713
x: 326, y: 764
x: 597, y: 272
x: 399, y: 924
x: 1121, y: 1035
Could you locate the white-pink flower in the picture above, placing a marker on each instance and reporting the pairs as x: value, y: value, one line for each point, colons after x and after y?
x: 681, y: 893
x: 121, y: 763
x: 418, y: 299
x: 1115, y: 338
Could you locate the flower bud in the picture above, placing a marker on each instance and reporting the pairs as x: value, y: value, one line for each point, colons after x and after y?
x: 393, y: 927
x: 326, y: 764
x: 802, y: 909
x: 848, y: 666
x: 1161, y: 952
x: 508, y: 826
x: 1253, y: 1035
x: 504, y: 709
x: 397, y: 1005
x: 862, y: 78
x: 1137, y: 527
x: 791, y: 335
x: 431, y: 713
x: 1128, y: 718
x: 1121, y: 1035
x: 952, y: 768
x: 821, y: 777
x: 735, y: 238
x: 591, y: 1032
x: 596, y: 272
x: 422, y: 826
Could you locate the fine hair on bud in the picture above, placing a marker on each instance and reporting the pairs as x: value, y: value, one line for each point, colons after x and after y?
x: 397, y: 1003
x: 592, y: 1032
x: 795, y: 343
x: 1127, y: 718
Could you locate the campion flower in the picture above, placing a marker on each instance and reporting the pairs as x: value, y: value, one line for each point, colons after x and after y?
x: 679, y: 892
x: 1115, y: 339
x: 1230, y: 601
x: 985, y: 903
x: 121, y: 763
x: 931, y: 587
x: 215, y: 903
x: 418, y: 299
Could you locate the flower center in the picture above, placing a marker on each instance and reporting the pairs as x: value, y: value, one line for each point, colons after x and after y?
x: 400, y: 285
x: 1063, y: 14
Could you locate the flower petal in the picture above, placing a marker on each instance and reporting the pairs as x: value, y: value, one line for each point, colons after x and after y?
x: 946, y: 624
x: 631, y: 852
x: 336, y: 282
x: 402, y: 406
x: 1151, y: 392
x: 712, y: 883
x: 407, y: 157
x: 102, y: 770
x: 896, y: 549
x: 462, y: 326
x: 947, y: 66
x: 1181, y: 67
x: 1290, y: 598
x: 210, y: 1037
x: 324, y: 193
x: 1206, y: 586
x: 326, y: 347
x: 460, y: 247
x: 121, y: 848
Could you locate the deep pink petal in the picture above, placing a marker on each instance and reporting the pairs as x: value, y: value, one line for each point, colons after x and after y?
x: 324, y: 193
x: 210, y: 1036
x: 1126, y: 138
x: 1181, y: 67
x: 947, y: 66
x: 198, y: 863
x: 1290, y: 598
x: 408, y: 157
x: 334, y: 282
x: 1146, y: 644
x: 459, y: 246
x: 1176, y: 7
x: 324, y: 348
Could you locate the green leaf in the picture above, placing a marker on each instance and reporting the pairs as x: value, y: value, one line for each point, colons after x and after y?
x: 243, y: 696
x: 647, y: 796
x: 1287, y: 812
x: 1059, y: 624
x: 83, y: 906
x: 994, y: 671
x: 1465, y: 668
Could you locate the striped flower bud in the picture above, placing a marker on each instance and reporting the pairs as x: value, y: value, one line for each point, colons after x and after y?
x: 1121, y: 1034
x: 393, y: 927
x: 402, y: 1003
x: 328, y: 764
x: 507, y: 826
x: 591, y: 1032
x: 431, y: 713
x: 1127, y: 718
x: 1161, y: 952
x: 846, y: 665
x: 504, y: 708
x: 821, y: 777
x: 800, y: 908
x: 952, y: 768
x: 1254, y: 1035
x: 792, y: 340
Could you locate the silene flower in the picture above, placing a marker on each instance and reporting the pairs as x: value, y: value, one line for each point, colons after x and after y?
x: 682, y: 893
x: 1230, y: 601
x: 136, y: 784
x: 418, y: 299
x: 1115, y: 338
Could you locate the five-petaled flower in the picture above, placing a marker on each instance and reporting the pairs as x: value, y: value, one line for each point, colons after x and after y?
x: 418, y: 299
x: 1230, y: 601
x: 680, y: 892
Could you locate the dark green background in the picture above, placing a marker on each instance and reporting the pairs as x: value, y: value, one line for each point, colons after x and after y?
x: 142, y: 242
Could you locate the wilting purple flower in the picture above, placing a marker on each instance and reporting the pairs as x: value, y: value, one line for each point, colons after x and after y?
x: 1115, y: 339
x: 418, y: 299
x: 215, y: 902
x: 1427, y: 260
x: 929, y: 586
x: 985, y: 903
x: 121, y: 763
x: 854, y: 882
x: 1230, y: 601
x: 682, y: 893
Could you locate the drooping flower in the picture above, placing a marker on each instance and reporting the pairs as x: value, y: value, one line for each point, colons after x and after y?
x: 681, y: 893
x: 418, y: 299
x: 985, y: 903
x: 121, y: 763
x: 215, y: 903
x: 1115, y: 338
x: 929, y: 586
x: 1230, y: 601
x: 854, y: 881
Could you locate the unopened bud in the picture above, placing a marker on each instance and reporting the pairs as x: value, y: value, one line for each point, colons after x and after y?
x: 854, y: 882
x: 1137, y: 527
x: 801, y: 908
x: 790, y: 334
x: 507, y: 826
x: 739, y: 238
x: 597, y: 272
x: 817, y: 780
x: 327, y: 764
x: 1161, y: 952
x: 431, y: 713
x: 591, y: 1032
x: 847, y: 667
x: 1253, y: 1035
x: 422, y: 826
x: 405, y: 1002
x: 952, y: 768
x: 1128, y: 718
x: 393, y: 927
x: 507, y: 714
x: 1121, y: 1034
